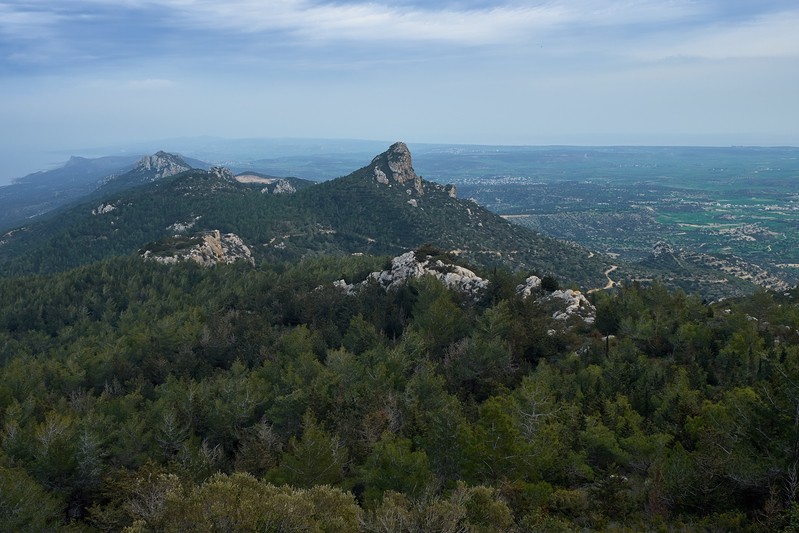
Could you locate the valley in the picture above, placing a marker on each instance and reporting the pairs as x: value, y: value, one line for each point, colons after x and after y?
x: 730, y: 210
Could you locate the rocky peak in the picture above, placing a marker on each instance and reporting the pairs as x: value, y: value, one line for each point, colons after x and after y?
x: 222, y: 173
x: 75, y: 160
x: 163, y: 164
x: 394, y: 166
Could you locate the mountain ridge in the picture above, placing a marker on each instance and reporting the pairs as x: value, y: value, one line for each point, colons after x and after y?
x: 383, y: 208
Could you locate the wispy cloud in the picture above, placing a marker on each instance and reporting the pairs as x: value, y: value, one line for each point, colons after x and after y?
x: 492, y: 66
x: 771, y: 35
x: 26, y: 23
x: 634, y: 28
x: 316, y: 20
x: 373, y: 22
x: 499, y: 22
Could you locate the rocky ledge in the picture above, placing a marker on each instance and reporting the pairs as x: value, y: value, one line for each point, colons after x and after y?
x: 566, y: 303
x: 205, y: 249
x: 280, y: 186
x: 408, y: 266
x: 575, y: 305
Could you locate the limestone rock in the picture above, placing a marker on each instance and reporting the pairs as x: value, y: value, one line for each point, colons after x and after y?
x: 530, y: 285
x: 284, y: 187
x: 222, y: 173
x: 183, y: 227
x: 408, y: 266
x: 103, y: 209
x: 205, y: 249
x: 163, y: 163
x: 380, y: 176
x: 576, y: 305
x: 394, y: 166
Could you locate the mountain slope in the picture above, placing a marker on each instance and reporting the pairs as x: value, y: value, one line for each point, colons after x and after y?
x: 42, y: 192
x: 120, y: 223
x: 386, y: 208
x: 149, y: 168
x: 382, y: 208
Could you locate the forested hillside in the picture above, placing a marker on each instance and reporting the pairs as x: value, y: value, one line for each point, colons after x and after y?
x: 41, y: 192
x: 354, y: 214
x: 141, y: 397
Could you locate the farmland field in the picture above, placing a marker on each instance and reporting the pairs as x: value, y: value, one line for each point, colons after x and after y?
x: 736, y: 205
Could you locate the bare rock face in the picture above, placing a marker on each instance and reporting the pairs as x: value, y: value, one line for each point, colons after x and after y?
x: 575, y: 304
x: 183, y: 227
x: 103, y: 209
x: 205, y: 249
x: 222, y: 173
x: 394, y: 166
x: 163, y: 163
x: 284, y: 187
x: 529, y: 287
x: 567, y: 304
x: 408, y: 266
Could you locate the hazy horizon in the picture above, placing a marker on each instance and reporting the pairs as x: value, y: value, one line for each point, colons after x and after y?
x: 195, y: 147
x: 26, y: 164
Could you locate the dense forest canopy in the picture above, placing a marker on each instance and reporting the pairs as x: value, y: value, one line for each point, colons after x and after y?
x: 142, y: 397
x: 353, y: 214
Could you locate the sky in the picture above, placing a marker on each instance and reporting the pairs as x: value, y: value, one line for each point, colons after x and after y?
x: 77, y: 74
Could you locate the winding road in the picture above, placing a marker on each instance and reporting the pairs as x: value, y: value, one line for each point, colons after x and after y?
x: 610, y: 283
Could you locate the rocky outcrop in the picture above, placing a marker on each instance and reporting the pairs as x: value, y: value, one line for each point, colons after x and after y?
x: 223, y: 173
x: 575, y: 304
x: 408, y: 266
x: 530, y: 286
x: 183, y: 227
x: 567, y: 303
x: 283, y: 187
x: 103, y: 209
x: 162, y: 164
x: 394, y: 167
x: 206, y: 249
x: 270, y: 185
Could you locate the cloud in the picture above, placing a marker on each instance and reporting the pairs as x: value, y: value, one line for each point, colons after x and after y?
x: 93, y: 31
x: 488, y: 22
x: 375, y: 22
x: 497, y: 23
x: 28, y: 23
x: 771, y: 35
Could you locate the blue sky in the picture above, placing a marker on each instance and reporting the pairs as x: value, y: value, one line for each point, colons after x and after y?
x: 81, y: 73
